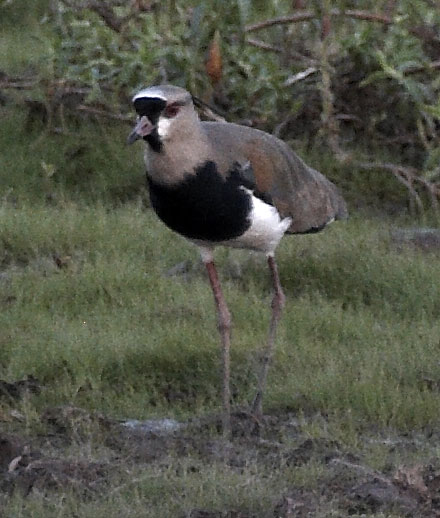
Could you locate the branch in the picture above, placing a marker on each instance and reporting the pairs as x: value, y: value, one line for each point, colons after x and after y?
x: 309, y: 15
x: 300, y: 76
x: 18, y: 83
x: 434, y: 65
x: 103, y: 10
x: 364, y: 15
x: 107, y: 15
x: 424, y: 32
x: 207, y: 110
x: 264, y: 46
x: 294, y: 18
x: 407, y: 176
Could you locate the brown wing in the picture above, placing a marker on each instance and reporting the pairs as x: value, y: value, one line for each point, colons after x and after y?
x: 295, y: 189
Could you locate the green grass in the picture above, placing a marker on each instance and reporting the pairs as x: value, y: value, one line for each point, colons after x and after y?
x: 110, y: 331
x: 196, y: 486
x: 107, y: 330
x: 87, y: 307
x: 24, y: 39
x: 86, y: 162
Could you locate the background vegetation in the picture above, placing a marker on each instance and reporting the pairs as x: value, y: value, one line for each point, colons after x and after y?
x: 356, y: 79
x: 110, y: 313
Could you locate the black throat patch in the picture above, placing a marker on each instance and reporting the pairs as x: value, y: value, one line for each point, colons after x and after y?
x: 205, y: 205
x: 151, y: 107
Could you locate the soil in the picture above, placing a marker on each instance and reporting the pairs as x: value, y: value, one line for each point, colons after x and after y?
x: 40, y: 463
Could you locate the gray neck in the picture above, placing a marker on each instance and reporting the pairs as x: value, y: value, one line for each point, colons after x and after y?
x: 184, y: 147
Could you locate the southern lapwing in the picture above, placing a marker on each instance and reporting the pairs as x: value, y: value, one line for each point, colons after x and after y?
x: 217, y: 183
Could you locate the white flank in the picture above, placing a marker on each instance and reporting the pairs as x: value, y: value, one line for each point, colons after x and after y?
x: 264, y: 234
x: 266, y: 230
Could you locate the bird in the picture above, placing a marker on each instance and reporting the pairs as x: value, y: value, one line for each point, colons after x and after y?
x: 225, y: 184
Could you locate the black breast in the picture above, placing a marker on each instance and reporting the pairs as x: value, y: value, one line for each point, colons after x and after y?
x: 204, y: 205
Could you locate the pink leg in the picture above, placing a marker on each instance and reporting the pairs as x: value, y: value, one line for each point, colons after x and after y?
x: 224, y: 327
x: 278, y: 303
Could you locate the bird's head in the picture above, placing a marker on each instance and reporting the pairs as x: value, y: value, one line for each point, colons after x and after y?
x: 162, y: 110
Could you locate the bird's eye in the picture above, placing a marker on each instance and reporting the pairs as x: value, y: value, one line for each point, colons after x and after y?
x: 171, y: 110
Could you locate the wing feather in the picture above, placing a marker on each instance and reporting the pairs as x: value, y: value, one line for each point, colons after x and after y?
x: 280, y: 175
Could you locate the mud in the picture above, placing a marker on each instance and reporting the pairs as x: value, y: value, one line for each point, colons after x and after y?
x: 348, y: 484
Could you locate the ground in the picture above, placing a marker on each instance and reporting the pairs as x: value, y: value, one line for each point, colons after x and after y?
x: 283, y: 465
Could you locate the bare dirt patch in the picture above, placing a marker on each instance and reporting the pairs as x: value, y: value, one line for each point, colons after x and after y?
x: 345, y: 483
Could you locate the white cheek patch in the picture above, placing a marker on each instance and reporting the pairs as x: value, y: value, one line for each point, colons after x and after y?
x: 163, y: 127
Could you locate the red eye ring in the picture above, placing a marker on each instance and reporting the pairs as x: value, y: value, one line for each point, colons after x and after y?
x: 171, y: 110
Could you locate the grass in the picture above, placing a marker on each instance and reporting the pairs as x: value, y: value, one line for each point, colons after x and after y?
x: 195, y: 487
x: 24, y: 39
x: 88, y: 307
x: 87, y: 162
x: 356, y: 335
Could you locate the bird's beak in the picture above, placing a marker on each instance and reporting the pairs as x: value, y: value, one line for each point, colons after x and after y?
x: 143, y: 128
